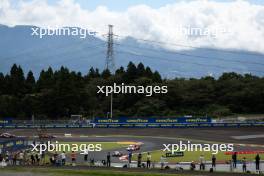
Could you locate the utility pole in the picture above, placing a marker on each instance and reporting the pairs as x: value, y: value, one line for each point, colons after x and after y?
x: 110, y: 63
x: 111, y: 106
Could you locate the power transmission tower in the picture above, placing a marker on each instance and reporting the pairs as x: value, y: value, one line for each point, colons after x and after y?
x: 110, y: 63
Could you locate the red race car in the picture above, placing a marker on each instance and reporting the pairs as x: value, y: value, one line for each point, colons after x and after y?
x: 45, y: 136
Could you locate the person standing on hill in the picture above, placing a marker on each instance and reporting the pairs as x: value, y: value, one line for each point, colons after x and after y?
x: 129, y: 156
x: 63, y: 158
x: 86, y: 152
x: 108, y: 160
x: 234, y: 159
x: 257, y: 159
x: 202, y: 162
x: 244, y: 164
x: 213, y: 162
x: 139, y: 159
x: 148, y: 160
x: 73, y: 158
x: 162, y: 162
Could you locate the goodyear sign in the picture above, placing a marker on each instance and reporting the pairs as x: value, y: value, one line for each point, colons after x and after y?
x: 152, y: 120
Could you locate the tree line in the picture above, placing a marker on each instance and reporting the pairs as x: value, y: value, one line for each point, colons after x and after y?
x: 58, y: 94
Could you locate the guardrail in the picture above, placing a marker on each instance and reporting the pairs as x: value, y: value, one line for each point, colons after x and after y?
x: 135, y: 125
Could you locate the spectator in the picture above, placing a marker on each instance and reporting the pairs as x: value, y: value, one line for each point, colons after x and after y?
x: 56, y: 159
x: 244, y: 165
x: 21, y: 158
x: 43, y: 157
x: 257, y: 159
x: 139, y: 159
x: 192, y: 166
x: 92, y: 162
x: 33, y: 161
x: 14, y: 158
x: 73, y: 158
x: 3, y: 162
x: 86, y: 152
x: 63, y: 158
x: 129, y: 156
x: 7, y: 157
x: 26, y: 158
x: 231, y: 165
x: 234, y: 159
x: 108, y: 160
x: 148, y: 160
x: 37, y: 158
x: 213, y: 161
x: 1, y: 157
x: 162, y: 162
x: 52, y: 160
x: 202, y: 162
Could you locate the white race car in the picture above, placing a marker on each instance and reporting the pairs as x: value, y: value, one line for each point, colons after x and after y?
x: 117, y: 154
x: 133, y: 148
x: 7, y: 135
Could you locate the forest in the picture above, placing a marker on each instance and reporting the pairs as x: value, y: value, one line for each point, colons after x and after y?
x: 57, y: 94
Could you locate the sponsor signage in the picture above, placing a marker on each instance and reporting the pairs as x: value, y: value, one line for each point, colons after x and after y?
x: 246, y: 152
x: 153, y: 120
x: 175, y: 154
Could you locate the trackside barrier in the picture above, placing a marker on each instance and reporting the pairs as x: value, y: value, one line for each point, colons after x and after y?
x: 139, y: 125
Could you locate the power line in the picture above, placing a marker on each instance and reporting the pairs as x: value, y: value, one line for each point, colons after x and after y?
x: 64, y: 53
x: 194, y: 63
x: 194, y: 47
x: 92, y: 54
x: 44, y: 49
x: 192, y: 55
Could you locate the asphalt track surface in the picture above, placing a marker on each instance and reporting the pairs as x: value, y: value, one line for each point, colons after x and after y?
x: 221, y: 134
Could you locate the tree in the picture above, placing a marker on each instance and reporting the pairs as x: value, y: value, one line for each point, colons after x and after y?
x: 148, y: 72
x: 46, y: 79
x: 97, y: 73
x: 30, y: 82
x: 120, y: 71
x: 91, y: 73
x: 140, y: 69
x: 131, y: 72
x: 106, y: 74
x: 60, y: 93
x: 156, y: 77
x: 2, y: 83
x: 17, y: 80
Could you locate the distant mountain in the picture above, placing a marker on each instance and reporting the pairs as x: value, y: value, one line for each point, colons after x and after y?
x: 17, y: 45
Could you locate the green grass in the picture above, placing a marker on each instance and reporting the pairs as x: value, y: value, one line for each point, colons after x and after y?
x: 194, y: 156
x: 80, y: 172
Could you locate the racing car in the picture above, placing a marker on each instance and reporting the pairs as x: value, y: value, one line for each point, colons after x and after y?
x: 7, y: 135
x: 117, y: 154
x: 45, y: 136
x: 133, y: 148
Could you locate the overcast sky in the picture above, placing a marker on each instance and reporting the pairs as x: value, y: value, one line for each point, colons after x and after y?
x: 224, y: 24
